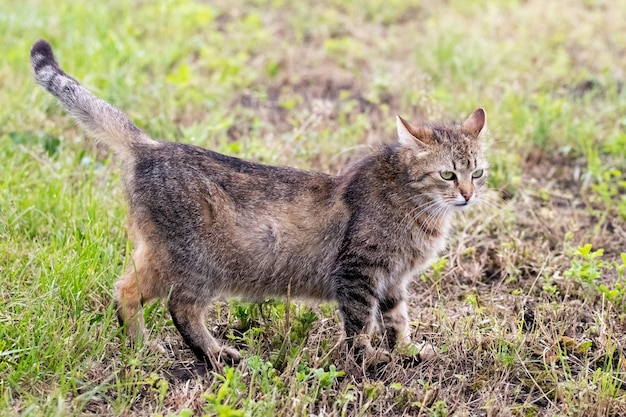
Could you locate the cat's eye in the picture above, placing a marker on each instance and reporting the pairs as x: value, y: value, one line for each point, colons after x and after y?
x: 447, y: 175
x: 477, y: 174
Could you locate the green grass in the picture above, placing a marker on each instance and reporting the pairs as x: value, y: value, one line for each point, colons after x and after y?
x: 526, y: 306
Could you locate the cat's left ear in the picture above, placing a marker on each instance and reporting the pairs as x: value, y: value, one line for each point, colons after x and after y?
x: 411, y: 135
x: 475, y: 123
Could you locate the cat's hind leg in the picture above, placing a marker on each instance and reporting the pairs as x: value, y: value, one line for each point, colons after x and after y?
x: 128, y: 303
x: 140, y: 283
x: 190, y: 321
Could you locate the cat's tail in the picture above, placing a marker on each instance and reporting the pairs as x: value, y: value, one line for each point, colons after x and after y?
x: 97, y: 117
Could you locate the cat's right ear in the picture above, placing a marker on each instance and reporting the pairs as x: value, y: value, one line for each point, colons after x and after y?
x: 475, y: 123
x: 410, y: 135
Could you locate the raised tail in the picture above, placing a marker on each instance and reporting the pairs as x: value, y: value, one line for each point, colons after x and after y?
x: 97, y: 117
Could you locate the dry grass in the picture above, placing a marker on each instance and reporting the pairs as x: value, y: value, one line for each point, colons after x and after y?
x: 525, y: 322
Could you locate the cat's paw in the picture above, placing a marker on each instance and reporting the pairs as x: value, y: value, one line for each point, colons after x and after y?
x: 155, y: 347
x: 422, y: 351
x: 366, y: 355
x: 426, y: 351
x: 228, y: 356
x: 218, y: 358
x: 374, y: 358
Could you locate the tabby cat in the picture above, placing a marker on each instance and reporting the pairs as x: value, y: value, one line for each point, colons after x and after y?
x: 205, y: 225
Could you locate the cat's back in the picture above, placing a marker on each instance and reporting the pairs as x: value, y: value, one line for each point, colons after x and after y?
x: 249, y: 219
x: 174, y: 167
x: 189, y: 192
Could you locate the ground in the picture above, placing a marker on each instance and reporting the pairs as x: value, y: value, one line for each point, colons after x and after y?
x: 527, y: 305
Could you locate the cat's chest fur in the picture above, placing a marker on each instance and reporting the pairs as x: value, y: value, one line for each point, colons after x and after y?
x: 415, y: 248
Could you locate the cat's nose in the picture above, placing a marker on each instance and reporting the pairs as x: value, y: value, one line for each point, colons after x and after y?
x: 466, y: 191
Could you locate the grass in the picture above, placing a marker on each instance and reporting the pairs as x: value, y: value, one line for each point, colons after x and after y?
x: 526, y: 306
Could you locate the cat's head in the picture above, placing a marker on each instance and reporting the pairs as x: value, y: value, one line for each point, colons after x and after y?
x: 446, y: 164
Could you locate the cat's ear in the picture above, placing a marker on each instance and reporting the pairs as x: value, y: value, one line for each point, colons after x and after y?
x: 410, y: 135
x: 475, y: 123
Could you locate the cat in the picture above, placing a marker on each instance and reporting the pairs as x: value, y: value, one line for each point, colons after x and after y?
x: 205, y: 225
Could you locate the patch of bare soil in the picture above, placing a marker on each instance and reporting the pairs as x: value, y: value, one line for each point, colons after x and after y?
x: 513, y: 329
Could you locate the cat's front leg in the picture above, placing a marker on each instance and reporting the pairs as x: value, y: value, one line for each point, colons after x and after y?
x: 358, y: 307
x: 395, y: 321
x: 395, y: 324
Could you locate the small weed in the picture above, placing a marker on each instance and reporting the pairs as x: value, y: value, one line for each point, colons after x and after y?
x: 313, y: 85
x: 587, y: 265
x: 433, y: 277
x: 159, y: 386
x: 305, y: 323
x: 610, y: 195
x: 588, y: 268
x: 185, y: 412
x: 439, y: 409
x: 326, y: 378
x: 230, y: 388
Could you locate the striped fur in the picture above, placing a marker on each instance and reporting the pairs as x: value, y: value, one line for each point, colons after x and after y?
x: 205, y: 225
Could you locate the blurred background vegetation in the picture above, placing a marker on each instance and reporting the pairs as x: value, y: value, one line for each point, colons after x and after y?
x: 312, y: 84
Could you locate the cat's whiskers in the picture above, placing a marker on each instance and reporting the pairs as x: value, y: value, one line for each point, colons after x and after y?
x: 493, y: 142
x: 439, y: 212
x: 421, y: 234
x: 411, y: 216
x: 498, y: 214
x: 418, y: 203
x: 492, y: 197
x: 495, y: 204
